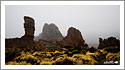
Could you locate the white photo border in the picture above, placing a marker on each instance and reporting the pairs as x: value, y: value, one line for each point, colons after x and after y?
x: 3, y: 3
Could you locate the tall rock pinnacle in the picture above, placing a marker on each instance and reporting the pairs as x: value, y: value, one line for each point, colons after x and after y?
x: 29, y: 26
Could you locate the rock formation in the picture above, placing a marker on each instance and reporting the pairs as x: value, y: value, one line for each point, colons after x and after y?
x: 50, y: 32
x: 25, y: 40
x: 74, y: 37
x: 14, y: 46
x: 29, y: 26
x: 110, y: 42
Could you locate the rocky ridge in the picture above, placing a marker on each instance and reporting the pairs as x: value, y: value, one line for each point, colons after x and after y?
x: 111, y: 44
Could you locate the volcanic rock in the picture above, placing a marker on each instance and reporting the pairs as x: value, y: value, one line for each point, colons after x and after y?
x: 50, y: 32
x: 14, y: 46
x: 74, y: 37
x: 27, y: 39
x: 111, y: 43
x: 29, y: 26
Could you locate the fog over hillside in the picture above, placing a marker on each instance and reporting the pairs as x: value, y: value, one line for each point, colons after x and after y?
x: 93, y: 21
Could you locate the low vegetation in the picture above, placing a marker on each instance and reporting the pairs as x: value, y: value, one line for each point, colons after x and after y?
x: 65, y: 57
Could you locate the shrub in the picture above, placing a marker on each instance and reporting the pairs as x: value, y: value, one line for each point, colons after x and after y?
x: 45, y: 63
x: 51, y: 50
x: 113, y: 57
x: 36, y: 53
x: 78, y: 56
x: 27, y: 57
x: 99, y: 55
x: 102, y: 52
x: 83, y: 52
x: 12, y: 63
x: 84, y: 59
x: 64, y: 61
x: 88, y: 60
x: 57, y: 53
x: 92, y: 49
x: 24, y: 63
x: 75, y: 51
x: 69, y: 54
x: 95, y: 55
x: 48, y: 55
x: 18, y: 63
x: 64, y: 55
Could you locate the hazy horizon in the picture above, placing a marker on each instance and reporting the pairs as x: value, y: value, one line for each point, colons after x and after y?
x: 93, y: 21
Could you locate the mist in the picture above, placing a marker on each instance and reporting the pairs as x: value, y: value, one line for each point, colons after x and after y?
x: 93, y: 21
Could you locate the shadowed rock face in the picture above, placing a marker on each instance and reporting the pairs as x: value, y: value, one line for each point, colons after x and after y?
x: 50, y: 32
x: 74, y: 37
x: 110, y: 42
x: 29, y: 26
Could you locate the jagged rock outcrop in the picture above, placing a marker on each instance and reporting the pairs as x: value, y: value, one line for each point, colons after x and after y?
x: 25, y: 40
x: 74, y: 37
x: 112, y: 44
x: 29, y: 26
x: 14, y: 46
x: 50, y: 32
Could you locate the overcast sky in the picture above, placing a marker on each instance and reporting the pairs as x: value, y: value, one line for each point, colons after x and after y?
x: 93, y: 21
